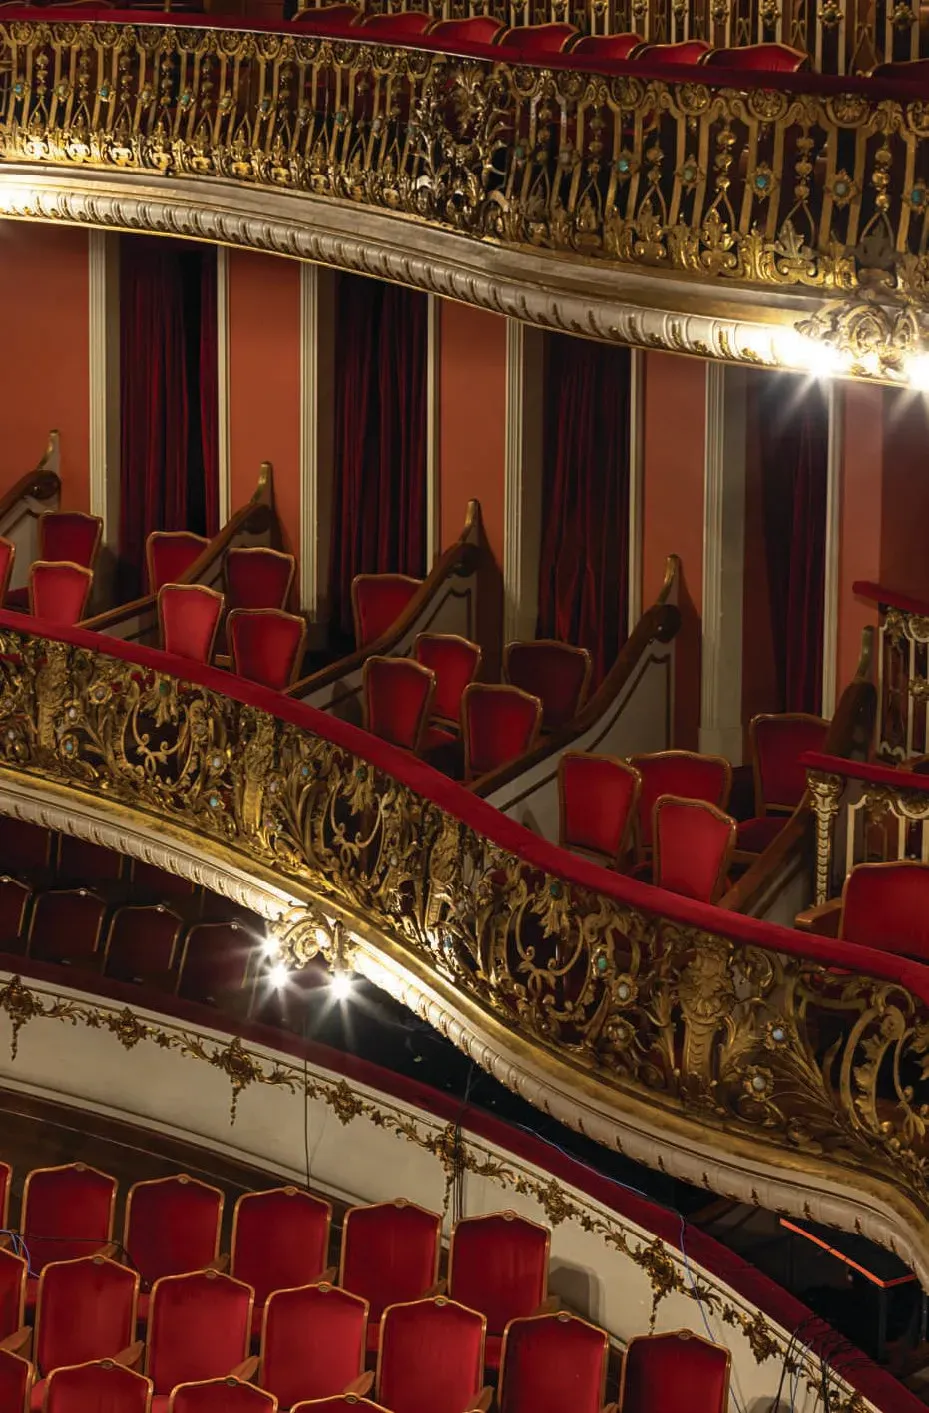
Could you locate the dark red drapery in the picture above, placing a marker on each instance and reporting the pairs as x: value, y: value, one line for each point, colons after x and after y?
x: 583, y: 567
x: 379, y: 494
x: 794, y: 463
x: 209, y: 392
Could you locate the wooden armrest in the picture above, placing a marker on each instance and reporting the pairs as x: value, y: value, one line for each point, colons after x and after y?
x: 328, y: 1276
x: 483, y: 1400
x: 131, y: 1356
x: 20, y: 1342
x: 434, y: 1290
x: 245, y: 1370
x: 6, y: 1240
x: 361, y: 1385
x: 110, y: 1250
x: 610, y: 1408
x: 223, y: 660
x: 550, y: 1306
x: 221, y: 1263
x: 823, y: 919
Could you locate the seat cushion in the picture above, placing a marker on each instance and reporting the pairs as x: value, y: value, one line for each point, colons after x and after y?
x: 160, y: 1403
x: 38, y: 1395
x: 435, y: 736
x: 493, y: 1346
x: 754, y: 835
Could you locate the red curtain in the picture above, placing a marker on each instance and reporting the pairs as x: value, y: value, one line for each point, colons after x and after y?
x: 583, y: 568
x: 794, y: 439
x: 208, y: 368
x: 379, y: 495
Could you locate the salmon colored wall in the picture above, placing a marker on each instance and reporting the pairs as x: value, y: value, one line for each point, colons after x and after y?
x: 674, y: 419
x: 860, y: 515
x: 264, y: 381
x: 905, y: 493
x: 759, y: 674
x: 44, y: 354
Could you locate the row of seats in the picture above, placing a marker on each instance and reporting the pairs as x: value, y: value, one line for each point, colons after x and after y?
x: 277, y: 1319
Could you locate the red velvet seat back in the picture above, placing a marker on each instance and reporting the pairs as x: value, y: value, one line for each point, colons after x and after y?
x: 16, y: 1383
x: 683, y: 773
x: 498, y: 724
x: 328, y: 19
x: 86, y: 1310
x: 7, y: 556
x: 598, y: 798
x: 398, y: 695
x: 390, y: 1253
x: 474, y: 29
x: 535, y: 41
x: 552, y: 1363
x: 102, y: 1387
x: 887, y: 906
x: 683, y: 51
x: 189, y: 616
x: 66, y: 926
x: 67, y: 1212
x: 58, y: 592
x: 221, y: 1396
x: 432, y: 1357
x: 557, y: 673
x: 378, y: 601
x: 778, y: 743
x: 258, y: 577
x: 266, y: 645
x: 455, y: 662
x: 693, y: 847
x: 499, y: 1265
x: 23, y: 847
x: 15, y: 898
x: 676, y: 1373
x: 142, y: 942
x: 172, y: 1225
x: 169, y: 554
x: 198, y: 1328
x: 758, y: 58
x: 83, y: 862
x: 606, y: 46
x: 13, y: 1272
x: 403, y: 24
x: 279, y: 1239
x: 70, y: 535
x: 215, y: 962
x: 313, y: 1343
x: 341, y: 1403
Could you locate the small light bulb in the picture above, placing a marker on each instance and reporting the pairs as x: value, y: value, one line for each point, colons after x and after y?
x: 341, y: 985
x: 270, y: 946
x: 279, y: 975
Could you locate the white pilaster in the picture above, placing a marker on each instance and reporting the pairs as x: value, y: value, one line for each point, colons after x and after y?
x: 636, y: 498
x: 317, y: 400
x: 834, y: 396
x: 522, y: 501
x: 103, y: 322
x: 224, y: 469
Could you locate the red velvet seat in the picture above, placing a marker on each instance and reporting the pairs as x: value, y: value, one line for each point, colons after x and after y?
x: 70, y: 535
x: 313, y: 1342
x: 598, y: 799
x: 215, y: 964
x: 58, y: 591
x: 172, y: 1226
x: 498, y: 724
x: 67, y: 1212
x: 16, y: 1383
x: 24, y: 847
x: 912, y: 70
x: 757, y: 58
x: 67, y: 925
x: 683, y: 51
x: 401, y: 25
x: 328, y: 19
x: 693, y: 847
x: 378, y: 600
x: 390, y: 1253
x: 341, y: 1403
x: 228, y: 1395
x: 280, y: 1240
x: 80, y: 861
x: 258, y: 577
x: 398, y: 695
x: 683, y: 773
x: 676, y: 1373
x: 169, y: 554
x: 142, y: 943
x: 13, y: 1273
x: 88, y: 1388
x: 455, y: 661
x: 606, y: 46
x: 532, y: 42
x: 551, y: 1363
x: 557, y: 673
x: 498, y: 1265
x: 15, y: 900
x: 199, y: 1327
x: 86, y: 1310
x: 886, y: 905
x: 778, y: 745
x: 431, y: 1358
x: 7, y: 556
x: 472, y: 29
x: 188, y: 616
x: 267, y: 645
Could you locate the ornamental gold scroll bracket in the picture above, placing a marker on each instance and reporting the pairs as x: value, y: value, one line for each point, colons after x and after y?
x: 303, y: 933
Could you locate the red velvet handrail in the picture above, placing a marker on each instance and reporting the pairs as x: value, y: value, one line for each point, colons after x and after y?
x: 489, y: 822
x: 890, y: 598
x: 891, y: 776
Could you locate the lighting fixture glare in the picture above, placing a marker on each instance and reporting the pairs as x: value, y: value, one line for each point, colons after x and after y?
x: 279, y: 976
x: 322, y: 938
x: 270, y: 946
x: 917, y: 371
x: 341, y: 985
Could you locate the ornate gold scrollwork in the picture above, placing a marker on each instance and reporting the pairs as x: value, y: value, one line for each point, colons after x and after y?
x: 826, y: 791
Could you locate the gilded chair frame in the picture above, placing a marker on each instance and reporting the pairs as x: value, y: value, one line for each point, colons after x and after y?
x: 449, y: 638
x: 228, y: 1380
x: 287, y: 1190
x: 507, y: 1214
x: 5, y: 579
x: 564, y: 1317
x: 318, y: 1285
x: 182, y: 923
x: 274, y: 613
x: 630, y: 825
x: 100, y: 1260
x: 765, y: 807
x: 86, y: 574
x: 365, y: 1405
x: 425, y: 711
x: 214, y: 1274
x: 77, y: 1167
x: 183, y: 1179
x: 10, y: 1255
x: 192, y: 589
x: 168, y: 535
x: 719, y: 886
x: 469, y: 776
x: 104, y: 1364
x: 74, y: 515
x: 97, y: 952
x: 360, y: 578
x: 30, y: 1379
x: 264, y: 551
x: 442, y: 1300
x: 570, y: 648
x: 396, y: 1202
x: 677, y: 1334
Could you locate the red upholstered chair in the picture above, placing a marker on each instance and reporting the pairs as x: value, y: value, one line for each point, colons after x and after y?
x: 886, y: 905
x: 258, y: 577
x: 598, y: 799
x: 142, y: 944
x: 215, y: 964
x: 148, y: 878
x: 199, y: 1327
x: 86, y: 1310
x: 683, y: 51
x: 390, y: 1253
x: 535, y: 41
x: 66, y: 927
x: 557, y: 673
x: 58, y: 591
x: 683, y: 773
x: 403, y: 24
x: 455, y: 662
x: 280, y: 1239
x: 474, y: 29
x: 328, y: 19
x: 498, y: 1265
x: 70, y: 535
x: 312, y: 1343
x: 498, y: 724
x: 267, y: 645
x: 229, y: 1395
x: 398, y: 696
x: 172, y: 1226
x: 675, y: 1373
x: 24, y: 848
x: 553, y: 1362
x: 169, y: 554
x: 378, y: 600
x: 755, y: 58
x: 13, y: 1273
x: 693, y: 847
x: 67, y: 1212
x: 606, y: 46
x: 188, y: 615
x: 15, y: 899
x: 15, y: 1383
x: 7, y: 556
x: 431, y: 1358
x: 80, y: 862
x: 914, y: 70
x: 104, y: 1384
x: 778, y: 745
x: 341, y: 1403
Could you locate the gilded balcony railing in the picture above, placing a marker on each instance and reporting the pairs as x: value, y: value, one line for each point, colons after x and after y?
x: 808, y: 183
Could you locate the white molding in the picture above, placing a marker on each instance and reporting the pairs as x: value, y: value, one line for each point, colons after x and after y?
x: 522, y: 493
x: 103, y: 379
x: 636, y: 486
x: 224, y: 468
x: 433, y: 483
x: 317, y: 322
x: 835, y: 406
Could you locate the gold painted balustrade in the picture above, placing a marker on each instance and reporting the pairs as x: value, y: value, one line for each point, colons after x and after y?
x: 804, y: 187
x: 728, y: 1051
